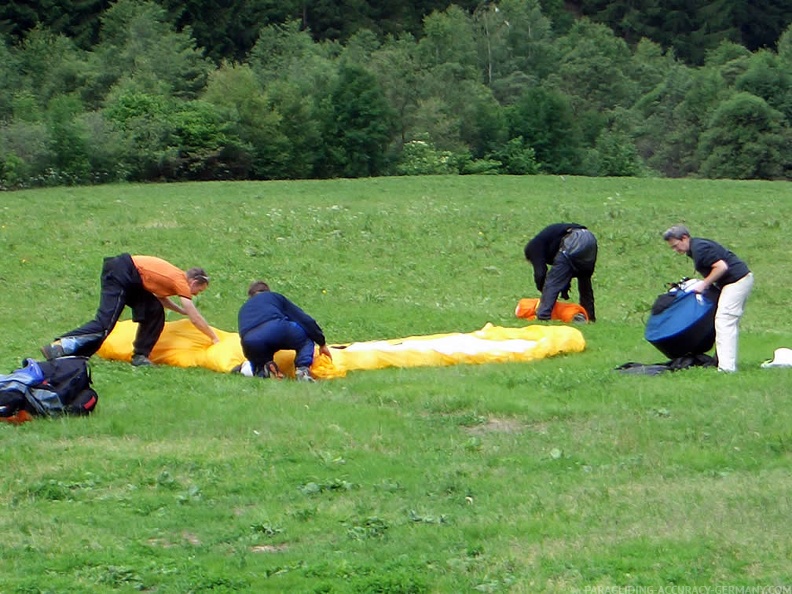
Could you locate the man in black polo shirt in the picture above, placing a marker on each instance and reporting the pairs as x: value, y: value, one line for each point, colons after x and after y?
x: 725, y: 271
x: 571, y: 252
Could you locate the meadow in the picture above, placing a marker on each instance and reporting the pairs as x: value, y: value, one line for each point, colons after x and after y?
x: 560, y: 475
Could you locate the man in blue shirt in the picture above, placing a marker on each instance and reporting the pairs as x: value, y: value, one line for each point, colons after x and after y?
x: 269, y: 322
x: 720, y: 268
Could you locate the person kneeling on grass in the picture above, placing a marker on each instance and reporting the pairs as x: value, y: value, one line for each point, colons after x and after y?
x: 269, y: 322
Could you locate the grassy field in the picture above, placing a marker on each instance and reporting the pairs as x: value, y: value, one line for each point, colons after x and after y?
x: 560, y: 475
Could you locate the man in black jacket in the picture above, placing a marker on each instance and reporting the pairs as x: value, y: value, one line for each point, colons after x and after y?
x: 269, y: 322
x: 571, y: 252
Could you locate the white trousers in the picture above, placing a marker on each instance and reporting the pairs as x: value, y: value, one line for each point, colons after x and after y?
x: 731, y: 306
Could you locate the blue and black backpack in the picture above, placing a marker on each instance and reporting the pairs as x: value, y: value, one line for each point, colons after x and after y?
x: 48, y: 388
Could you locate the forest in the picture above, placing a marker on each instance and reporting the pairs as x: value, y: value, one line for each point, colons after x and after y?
x: 93, y: 91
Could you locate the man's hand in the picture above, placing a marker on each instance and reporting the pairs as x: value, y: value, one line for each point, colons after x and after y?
x: 698, y: 287
x: 325, y: 350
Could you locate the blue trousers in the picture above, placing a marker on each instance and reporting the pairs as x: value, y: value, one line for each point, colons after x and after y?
x: 260, y: 344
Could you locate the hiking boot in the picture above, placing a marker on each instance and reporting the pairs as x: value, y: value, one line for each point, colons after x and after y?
x: 141, y: 361
x: 303, y: 374
x: 52, y: 350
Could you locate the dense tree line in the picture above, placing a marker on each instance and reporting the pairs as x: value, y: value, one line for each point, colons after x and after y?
x: 228, y: 29
x: 491, y: 87
x: 692, y: 27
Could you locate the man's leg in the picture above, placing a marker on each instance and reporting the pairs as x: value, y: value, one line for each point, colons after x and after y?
x: 303, y: 346
x: 582, y: 255
x: 731, y: 306
x: 149, y: 314
x: 587, y: 296
x: 296, y: 338
x: 257, y: 346
x: 558, y: 278
x: 87, y: 339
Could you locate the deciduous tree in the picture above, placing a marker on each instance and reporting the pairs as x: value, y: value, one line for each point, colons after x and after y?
x: 745, y: 139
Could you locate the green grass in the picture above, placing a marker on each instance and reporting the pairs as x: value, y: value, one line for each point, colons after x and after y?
x: 551, y: 476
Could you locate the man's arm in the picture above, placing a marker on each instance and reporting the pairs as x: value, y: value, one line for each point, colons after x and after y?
x: 719, y: 268
x: 534, y: 253
x: 189, y: 309
x: 168, y: 304
x: 295, y: 313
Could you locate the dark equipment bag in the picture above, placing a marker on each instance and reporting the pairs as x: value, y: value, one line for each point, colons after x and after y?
x: 49, y: 388
x: 682, y: 323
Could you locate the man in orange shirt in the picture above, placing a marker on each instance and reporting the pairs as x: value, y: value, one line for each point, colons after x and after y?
x: 145, y: 284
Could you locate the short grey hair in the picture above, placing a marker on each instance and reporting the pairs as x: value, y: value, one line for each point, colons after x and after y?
x: 676, y: 232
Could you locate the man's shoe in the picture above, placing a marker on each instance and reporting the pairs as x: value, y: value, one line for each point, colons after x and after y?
x: 141, y: 361
x: 272, y: 370
x: 52, y: 351
x: 303, y: 374
x: 579, y: 318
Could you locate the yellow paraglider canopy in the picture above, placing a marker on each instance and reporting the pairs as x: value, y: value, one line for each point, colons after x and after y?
x: 183, y: 345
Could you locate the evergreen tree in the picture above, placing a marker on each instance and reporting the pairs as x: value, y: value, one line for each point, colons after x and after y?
x: 235, y: 90
x: 545, y: 121
x: 68, y: 139
x: 79, y: 20
x: 769, y: 78
x: 10, y: 79
x: 52, y: 66
x: 594, y: 68
x: 395, y: 64
x: 358, y: 126
x: 138, y: 44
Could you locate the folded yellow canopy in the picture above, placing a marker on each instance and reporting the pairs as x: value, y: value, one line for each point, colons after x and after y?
x: 183, y: 345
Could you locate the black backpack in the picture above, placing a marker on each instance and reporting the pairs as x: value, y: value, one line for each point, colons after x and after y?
x: 49, y: 388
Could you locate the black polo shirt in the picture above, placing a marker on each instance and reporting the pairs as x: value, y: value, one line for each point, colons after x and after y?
x: 706, y: 252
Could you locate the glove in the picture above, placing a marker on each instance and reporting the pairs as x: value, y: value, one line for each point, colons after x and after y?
x: 698, y: 287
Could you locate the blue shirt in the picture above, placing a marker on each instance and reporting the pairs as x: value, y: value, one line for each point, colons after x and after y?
x: 268, y: 306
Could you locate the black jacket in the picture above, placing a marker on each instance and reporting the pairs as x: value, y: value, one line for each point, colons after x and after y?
x: 542, y: 249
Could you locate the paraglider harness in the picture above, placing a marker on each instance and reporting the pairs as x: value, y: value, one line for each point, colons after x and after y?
x: 682, y: 327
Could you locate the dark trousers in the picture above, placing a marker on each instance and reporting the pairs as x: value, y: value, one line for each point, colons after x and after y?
x: 121, y: 286
x: 260, y: 344
x: 576, y: 259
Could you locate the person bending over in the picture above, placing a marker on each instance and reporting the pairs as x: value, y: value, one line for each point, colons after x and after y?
x: 269, y: 322
x: 571, y: 252
x: 725, y: 271
x: 145, y: 284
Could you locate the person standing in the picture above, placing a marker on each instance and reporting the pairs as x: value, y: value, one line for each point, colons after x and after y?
x: 269, y: 322
x: 145, y: 284
x: 722, y: 270
x: 571, y: 252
